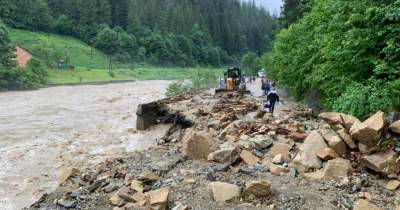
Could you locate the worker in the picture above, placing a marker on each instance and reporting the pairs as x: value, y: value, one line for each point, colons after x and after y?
x: 272, y: 98
x: 267, y: 87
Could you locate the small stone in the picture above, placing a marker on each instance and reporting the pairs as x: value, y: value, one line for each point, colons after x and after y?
x: 110, y: 188
x: 262, y: 141
x: 67, y: 204
x: 292, y: 172
x: 248, y: 158
x: 224, y: 192
x: 283, y: 149
x: 184, y: 172
x: 227, y: 156
x: 327, y: 153
x: 365, y: 205
x: 221, y: 168
x: 149, y: 176
x: 116, y: 200
x: 393, y: 185
x: 278, y: 159
x: 258, y: 188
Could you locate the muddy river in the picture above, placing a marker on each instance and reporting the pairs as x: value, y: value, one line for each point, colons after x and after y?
x: 44, y: 131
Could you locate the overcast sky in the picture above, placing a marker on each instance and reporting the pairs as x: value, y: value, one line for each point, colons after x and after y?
x: 274, y: 6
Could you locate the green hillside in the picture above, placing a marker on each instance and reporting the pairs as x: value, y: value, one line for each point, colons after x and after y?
x: 41, y: 44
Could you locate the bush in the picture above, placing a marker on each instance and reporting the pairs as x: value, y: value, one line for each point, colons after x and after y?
x: 178, y: 88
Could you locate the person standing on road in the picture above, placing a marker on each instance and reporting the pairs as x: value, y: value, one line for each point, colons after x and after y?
x: 272, y: 98
x: 267, y: 87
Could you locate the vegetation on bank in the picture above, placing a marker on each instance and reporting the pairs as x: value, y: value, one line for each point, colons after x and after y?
x: 142, y: 73
x: 348, y: 50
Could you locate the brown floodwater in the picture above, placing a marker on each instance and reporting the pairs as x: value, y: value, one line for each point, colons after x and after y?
x: 43, y: 131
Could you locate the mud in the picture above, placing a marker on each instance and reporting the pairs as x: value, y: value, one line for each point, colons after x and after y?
x: 43, y: 131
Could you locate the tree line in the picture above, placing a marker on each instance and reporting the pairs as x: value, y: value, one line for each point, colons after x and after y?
x: 347, y: 50
x: 173, y: 32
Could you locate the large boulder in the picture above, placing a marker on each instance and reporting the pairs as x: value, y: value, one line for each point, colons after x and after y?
x: 197, y: 145
x: 258, y: 188
x: 338, y: 118
x: 395, y: 127
x: 337, y: 168
x: 369, y: 132
x: 226, y: 156
x: 307, y: 159
x: 334, y: 141
x: 223, y: 192
x: 385, y: 162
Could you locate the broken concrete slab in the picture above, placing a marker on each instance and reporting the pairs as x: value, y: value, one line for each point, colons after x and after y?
x: 146, y: 115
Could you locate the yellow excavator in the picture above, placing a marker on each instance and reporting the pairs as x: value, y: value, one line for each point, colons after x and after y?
x: 233, y: 81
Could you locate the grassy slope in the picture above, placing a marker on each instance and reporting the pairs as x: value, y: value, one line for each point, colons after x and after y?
x: 93, y: 70
x: 78, y: 51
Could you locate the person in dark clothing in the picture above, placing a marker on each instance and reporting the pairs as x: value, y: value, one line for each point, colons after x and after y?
x: 272, y: 98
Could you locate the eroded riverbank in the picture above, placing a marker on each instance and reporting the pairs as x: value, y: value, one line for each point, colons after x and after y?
x: 46, y: 130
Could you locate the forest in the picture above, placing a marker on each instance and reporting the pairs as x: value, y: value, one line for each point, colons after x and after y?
x: 158, y: 32
x: 346, y: 50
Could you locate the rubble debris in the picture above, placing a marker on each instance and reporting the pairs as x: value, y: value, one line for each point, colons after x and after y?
x: 339, y: 118
x: 224, y: 192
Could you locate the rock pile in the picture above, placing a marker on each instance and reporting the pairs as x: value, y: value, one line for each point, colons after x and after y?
x: 235, y: 156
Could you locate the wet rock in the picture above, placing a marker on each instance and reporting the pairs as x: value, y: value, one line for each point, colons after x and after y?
x: 395, y: 127
x: 384, y: 162
x: 334, y: 141
x: 224, y: 192
x: 248, y: 158
x: 282, y: 149
x: 338, y: 118
x: 197, y: 145
x: 365, y: 205
x: 262, y: 141
x: 66, y: 203
x: 369, y: 132
x: 347, y: 138
x: 227, y: 156
x: 68, y: 173
x: 327, y: 154
x: 307, y: 158
x: 159, y: 199
x: 258, y: 188
x: 337, y: 168
x: 278, y: 159
x: 393, y: 185
x: 149, y: 176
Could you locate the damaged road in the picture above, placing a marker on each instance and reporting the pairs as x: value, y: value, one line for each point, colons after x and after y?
x: 225, y: 153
